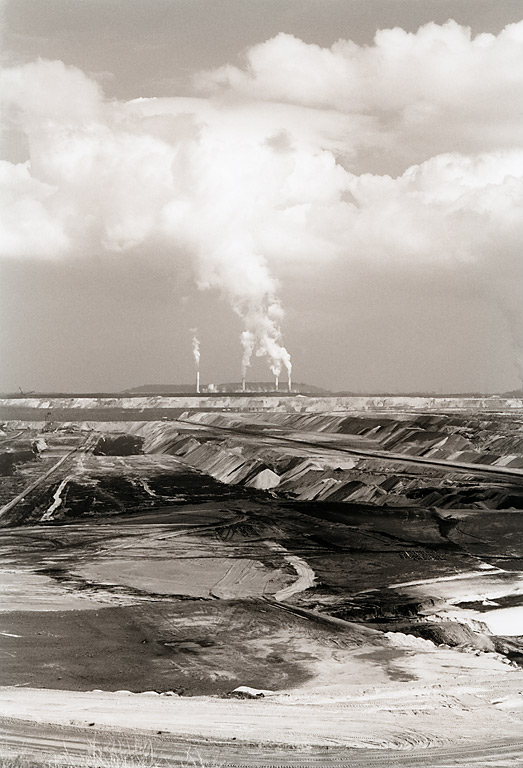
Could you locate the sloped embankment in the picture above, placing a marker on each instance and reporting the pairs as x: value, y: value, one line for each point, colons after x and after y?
x: 240, y: 457
x: 478, y: 439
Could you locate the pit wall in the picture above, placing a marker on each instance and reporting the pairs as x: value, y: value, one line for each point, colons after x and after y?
x: 278, y: 468
x: 291, y: 404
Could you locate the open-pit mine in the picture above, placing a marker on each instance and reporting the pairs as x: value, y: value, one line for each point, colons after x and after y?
x: 258, y: 580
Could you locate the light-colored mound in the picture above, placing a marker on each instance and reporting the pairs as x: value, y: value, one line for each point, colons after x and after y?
x: 264, y: 480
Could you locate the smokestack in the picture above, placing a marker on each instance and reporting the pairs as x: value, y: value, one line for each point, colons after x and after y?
x: 277, y: 382
x: 243, y: 384
x: 197, y: 381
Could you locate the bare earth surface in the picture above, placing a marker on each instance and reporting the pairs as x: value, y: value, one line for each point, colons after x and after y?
x: 366, y: 569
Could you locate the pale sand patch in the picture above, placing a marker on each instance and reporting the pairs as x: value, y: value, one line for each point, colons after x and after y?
x: 504, y: 621
x: 24, y: 591
x: 467, y: 587
x: 247, y: 578
x: 336, y: 671
x: 195, y: 577
x: 486, y: 586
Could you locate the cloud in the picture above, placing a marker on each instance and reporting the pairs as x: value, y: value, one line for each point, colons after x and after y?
x: 284, y: 172
x: 29, y: 228
x: 44, y: 92
x: 450, y: 210
x: 436, y: 90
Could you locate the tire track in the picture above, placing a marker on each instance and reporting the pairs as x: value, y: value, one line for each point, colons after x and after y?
x: 20, y: 737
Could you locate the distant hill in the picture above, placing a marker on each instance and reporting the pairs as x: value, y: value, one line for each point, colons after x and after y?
x: 160, y: 389
x: 514, y: 393
x: 268, y: 386
x: 232, y: 386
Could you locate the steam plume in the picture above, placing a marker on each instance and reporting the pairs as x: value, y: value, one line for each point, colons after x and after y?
x: 262, y: 337
x: 253, y: 184
x: 196, y: 348
x: 196, y: 356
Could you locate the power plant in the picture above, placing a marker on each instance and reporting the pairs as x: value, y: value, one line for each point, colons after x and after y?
x: 243, y: 386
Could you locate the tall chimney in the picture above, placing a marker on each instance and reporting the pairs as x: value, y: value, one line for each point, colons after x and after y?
x: 197, y: 381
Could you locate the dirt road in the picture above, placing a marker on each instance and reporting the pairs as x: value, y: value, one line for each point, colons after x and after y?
x: 47, y: 741
x: 21, y: 496
x: 84, y: 447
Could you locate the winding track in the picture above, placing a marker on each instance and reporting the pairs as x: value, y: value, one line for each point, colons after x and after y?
x: 306, y: 576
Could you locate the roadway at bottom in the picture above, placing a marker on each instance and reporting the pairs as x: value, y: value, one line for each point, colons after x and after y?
x: 48, y: 742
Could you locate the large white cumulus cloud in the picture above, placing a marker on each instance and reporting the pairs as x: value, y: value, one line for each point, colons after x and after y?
x: 424, y: 86
x: 443, y: 64
x: 405, y: 155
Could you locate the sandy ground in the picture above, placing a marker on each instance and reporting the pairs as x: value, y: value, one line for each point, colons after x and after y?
x: 403, y: 693
x: 401, y: 716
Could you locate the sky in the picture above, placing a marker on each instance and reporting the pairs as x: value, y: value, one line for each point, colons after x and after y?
x: 328, y: 187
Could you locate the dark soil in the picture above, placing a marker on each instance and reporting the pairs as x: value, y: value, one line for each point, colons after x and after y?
x: 10, y: 459
x: 118, y: 445
x: 150, y: 646
x: 109, y: 495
